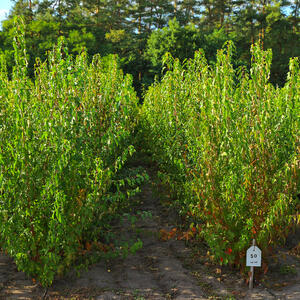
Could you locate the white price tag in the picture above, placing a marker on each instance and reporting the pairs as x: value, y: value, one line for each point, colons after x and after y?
x: 253, y: 258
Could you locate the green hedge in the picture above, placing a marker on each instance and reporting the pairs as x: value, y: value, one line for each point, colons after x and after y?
x: 65, y: 136
x: 227, y: 143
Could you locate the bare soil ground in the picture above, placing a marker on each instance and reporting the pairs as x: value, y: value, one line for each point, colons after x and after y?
x: 161, y: 269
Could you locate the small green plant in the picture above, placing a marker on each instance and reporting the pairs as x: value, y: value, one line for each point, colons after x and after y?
x: 288, y: 270
x: 137, y: 296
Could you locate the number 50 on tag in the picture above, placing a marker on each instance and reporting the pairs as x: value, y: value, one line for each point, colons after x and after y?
x: 253, y: 258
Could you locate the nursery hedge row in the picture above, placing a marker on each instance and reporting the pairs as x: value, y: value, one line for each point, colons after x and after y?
x: 227, y: 143
x: 64, y: 139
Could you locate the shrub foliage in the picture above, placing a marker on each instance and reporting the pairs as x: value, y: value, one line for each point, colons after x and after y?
x: 227, y: 143
x: 64, y: 138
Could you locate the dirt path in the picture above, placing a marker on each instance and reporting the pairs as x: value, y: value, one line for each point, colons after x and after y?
x: 160, y: 270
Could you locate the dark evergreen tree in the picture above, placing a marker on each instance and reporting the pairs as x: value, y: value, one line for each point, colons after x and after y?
x: 139, y: 31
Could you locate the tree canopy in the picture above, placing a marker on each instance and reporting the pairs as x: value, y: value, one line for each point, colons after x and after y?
x: 141, y: 31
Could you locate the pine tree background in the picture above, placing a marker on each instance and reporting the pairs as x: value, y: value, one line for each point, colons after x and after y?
x: 141, y: 31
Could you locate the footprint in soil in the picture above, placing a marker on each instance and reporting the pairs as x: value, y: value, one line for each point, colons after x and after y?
x: 160, y: 270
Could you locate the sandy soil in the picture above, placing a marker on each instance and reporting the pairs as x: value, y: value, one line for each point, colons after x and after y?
x: 161, y: 269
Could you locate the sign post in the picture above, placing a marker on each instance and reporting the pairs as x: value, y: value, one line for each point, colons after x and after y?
x: 253, y: 259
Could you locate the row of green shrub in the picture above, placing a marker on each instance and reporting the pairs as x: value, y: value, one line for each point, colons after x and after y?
x: 227, y: 142
x: 65, y: 136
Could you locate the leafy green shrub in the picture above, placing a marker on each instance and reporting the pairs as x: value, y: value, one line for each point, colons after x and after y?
x: 64, y: 138
x: 228, y: 144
